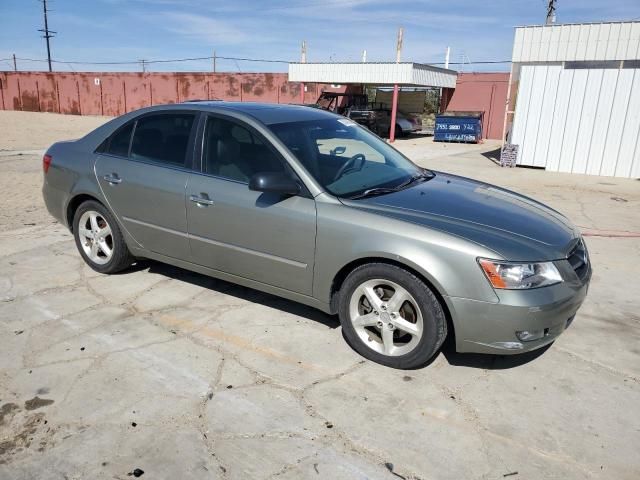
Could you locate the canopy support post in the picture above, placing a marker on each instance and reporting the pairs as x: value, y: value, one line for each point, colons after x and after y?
x: 394, y: 109
x: 394, y: 103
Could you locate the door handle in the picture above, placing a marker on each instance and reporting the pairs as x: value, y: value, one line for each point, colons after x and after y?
x: 113, y: 179
x: 201, y: 201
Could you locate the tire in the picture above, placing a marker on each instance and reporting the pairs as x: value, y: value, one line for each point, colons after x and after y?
x: 90, y: 222
x: 420, y: 313
x: 399, y: 132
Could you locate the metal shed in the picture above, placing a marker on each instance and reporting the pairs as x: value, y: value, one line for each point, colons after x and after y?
x: 577, y: 107
x: 384, y: 74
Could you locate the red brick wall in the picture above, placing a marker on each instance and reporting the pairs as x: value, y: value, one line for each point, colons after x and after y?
x: 117, y: 93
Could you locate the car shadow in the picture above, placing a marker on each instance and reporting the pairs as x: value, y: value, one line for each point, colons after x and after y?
x: 488, y: 361
x: 453, y: 358
x: 238, y: 291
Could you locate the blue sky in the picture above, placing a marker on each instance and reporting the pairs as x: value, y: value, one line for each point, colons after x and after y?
x: 128, y: 30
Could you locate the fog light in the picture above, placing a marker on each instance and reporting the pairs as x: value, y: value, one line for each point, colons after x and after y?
x: 530, y: 335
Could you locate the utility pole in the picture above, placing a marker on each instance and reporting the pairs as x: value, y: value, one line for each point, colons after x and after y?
x: 447, y: 56
x: 303, y: 59
x: 47, y: 33
x: 15, y: 65
x: 143, y: 62
x: 551, y: 12
x: 214, y: 61
x: 399, y: 44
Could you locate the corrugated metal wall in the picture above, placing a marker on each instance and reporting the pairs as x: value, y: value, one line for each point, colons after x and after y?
x: 99, y: 93
x: 577, y: 42
x: 579, y: 120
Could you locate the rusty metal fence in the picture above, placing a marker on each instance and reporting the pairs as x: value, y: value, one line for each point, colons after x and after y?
x: 87, y: 93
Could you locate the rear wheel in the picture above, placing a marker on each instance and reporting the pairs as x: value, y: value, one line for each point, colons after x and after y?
x: 390, y: 316
x: 99, y: 239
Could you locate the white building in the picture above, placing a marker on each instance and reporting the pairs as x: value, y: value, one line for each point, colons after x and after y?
x: 577, y: 102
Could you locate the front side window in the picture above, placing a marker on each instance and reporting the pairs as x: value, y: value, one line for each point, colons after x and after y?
x: 237, y: 153
x: 344, y: 158
x: 162, y: 138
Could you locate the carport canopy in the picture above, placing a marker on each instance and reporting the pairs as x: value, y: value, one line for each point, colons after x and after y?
x: 391, y: 74
x: 402, y: 74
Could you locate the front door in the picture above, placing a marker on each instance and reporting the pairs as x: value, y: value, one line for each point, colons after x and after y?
x: 260, y: 236
x: 144, y: 180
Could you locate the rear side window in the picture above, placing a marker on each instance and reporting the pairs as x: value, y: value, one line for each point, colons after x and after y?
x: 119, y: 143
x: 162, y: 138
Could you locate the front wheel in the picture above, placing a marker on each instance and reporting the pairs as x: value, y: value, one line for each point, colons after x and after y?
x: 99, y: 239
x: 390, y: 316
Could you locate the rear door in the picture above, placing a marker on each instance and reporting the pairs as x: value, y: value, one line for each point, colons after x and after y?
x: 260, y: 236
x: 143, y: 172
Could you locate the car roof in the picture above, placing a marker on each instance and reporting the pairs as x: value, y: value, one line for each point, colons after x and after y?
x: 267, y: 113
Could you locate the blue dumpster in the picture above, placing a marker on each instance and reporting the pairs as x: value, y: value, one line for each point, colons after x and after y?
x: 458, y: 127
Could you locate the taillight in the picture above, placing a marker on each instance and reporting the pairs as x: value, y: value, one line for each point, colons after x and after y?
x: 46, y: 163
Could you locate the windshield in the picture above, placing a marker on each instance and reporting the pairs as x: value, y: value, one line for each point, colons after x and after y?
x: 345, y: 158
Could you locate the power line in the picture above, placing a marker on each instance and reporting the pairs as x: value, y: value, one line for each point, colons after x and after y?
x: 147, y: 62
x: 218, y: 57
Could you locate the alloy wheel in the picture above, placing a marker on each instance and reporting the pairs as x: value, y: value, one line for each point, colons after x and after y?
x: 386, y: 317
x: 95, y: 237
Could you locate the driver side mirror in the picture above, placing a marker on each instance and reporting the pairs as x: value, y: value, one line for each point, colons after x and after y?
x: 338, y: 151
x: 274, y: 182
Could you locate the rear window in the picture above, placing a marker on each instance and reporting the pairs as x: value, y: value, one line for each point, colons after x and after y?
x: 162, y: 138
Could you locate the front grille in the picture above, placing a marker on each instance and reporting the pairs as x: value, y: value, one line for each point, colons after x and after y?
x: 579, y: 259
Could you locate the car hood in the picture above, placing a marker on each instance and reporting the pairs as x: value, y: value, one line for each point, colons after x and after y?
x: 512, y: 225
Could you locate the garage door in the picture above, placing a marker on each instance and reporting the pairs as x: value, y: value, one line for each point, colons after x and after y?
x: 579, y: 120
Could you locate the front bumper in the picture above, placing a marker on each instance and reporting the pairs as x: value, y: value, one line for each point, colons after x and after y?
x: 484, y: 327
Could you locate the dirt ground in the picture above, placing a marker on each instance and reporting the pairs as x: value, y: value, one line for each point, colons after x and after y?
x: 183, y: 376
x: 33, y: 131
x: 26, y: 135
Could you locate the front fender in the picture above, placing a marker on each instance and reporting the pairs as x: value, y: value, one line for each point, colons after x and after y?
x: 347, y: 234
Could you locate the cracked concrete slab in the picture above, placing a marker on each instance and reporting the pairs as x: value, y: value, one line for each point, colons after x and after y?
x: 33, y: 310
x: 379, y: 411
x: 260, y: 337
x: 184, y: 376
x: 296, y: 458
x: 260, y: 410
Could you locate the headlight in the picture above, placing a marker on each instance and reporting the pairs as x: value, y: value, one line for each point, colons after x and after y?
x: 518, y: 276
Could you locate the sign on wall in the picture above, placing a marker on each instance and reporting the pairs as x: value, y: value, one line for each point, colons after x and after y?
x: 509, y: 155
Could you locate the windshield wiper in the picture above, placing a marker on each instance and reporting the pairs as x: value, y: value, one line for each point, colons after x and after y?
x: 419, y: 177
x: 370, y: 192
